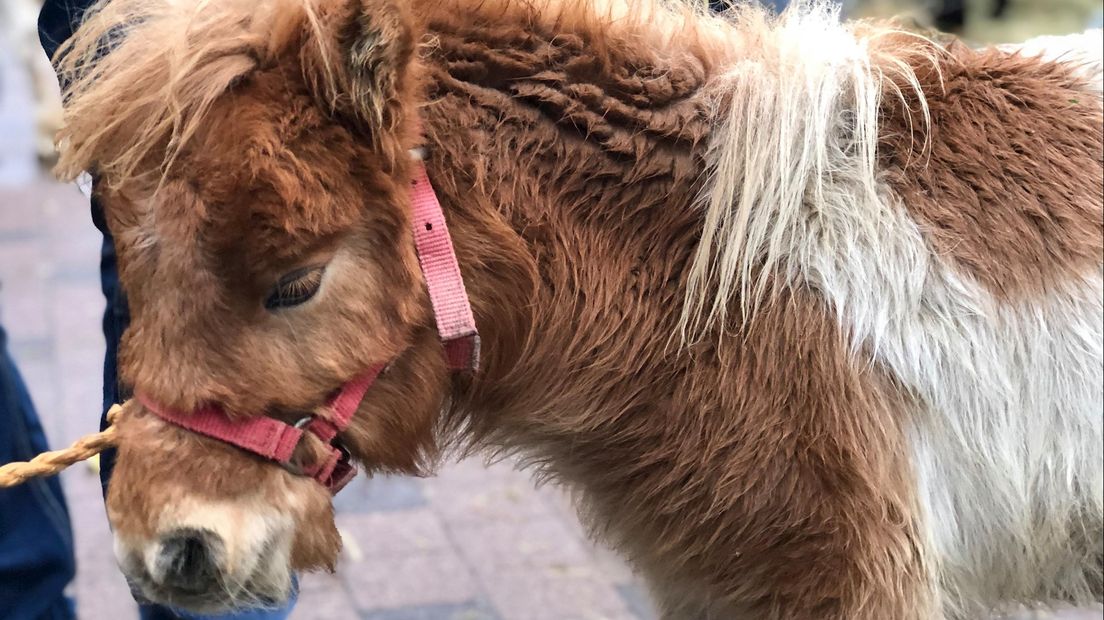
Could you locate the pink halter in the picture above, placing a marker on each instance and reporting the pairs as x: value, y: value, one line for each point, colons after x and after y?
x: 275, y: 440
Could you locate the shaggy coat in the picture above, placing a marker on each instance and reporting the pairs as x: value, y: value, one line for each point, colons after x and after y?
x: 808, y: 315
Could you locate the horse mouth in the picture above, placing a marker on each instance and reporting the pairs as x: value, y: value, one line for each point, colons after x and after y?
x: 268, y: 587
x: 216, y: 601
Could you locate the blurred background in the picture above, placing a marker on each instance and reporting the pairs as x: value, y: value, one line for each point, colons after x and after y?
x: 474, y: 543
x: 989, y: 21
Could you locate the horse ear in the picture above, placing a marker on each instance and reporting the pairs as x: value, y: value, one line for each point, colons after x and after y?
x: 377, y: 46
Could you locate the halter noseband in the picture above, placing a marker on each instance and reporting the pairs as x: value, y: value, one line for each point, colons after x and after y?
x: 276, y: 441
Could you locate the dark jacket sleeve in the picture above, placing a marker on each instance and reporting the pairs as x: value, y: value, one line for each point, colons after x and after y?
x: 57, y: 21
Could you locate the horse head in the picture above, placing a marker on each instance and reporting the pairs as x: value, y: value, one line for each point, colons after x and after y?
x: 254, y: 163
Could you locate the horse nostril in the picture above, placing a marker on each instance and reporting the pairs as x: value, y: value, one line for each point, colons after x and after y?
x: 188, y: 561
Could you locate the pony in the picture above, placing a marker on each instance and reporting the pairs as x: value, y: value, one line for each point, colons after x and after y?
x: 806, y: 314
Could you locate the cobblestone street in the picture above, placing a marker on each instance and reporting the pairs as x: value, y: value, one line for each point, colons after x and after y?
x: 472, y: 543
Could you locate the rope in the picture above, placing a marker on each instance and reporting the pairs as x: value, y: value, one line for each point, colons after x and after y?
x: 52, y: 463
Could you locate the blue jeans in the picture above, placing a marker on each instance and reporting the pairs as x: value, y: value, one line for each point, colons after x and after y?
x: 36, y: 542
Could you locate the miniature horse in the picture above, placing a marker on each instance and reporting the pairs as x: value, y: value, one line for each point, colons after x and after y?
x: 809, y: 315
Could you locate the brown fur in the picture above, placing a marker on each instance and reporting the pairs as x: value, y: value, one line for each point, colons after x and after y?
x: 1005, y: 181
x: 796, y: 488
x: 761, y: 472
x: 270, y: 162
x: 183, y: 465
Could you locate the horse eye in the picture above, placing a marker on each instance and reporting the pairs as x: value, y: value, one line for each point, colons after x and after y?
x: 294, y: 288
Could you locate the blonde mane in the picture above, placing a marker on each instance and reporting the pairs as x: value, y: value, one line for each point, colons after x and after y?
x: 139, y: 76
x: 796, y: 134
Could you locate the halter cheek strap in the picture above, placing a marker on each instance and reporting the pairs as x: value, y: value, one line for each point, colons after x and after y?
x: 275, y: 440
x: 451, y: 306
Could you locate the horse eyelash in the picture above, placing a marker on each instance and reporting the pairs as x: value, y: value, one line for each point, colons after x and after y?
x: 294, y: 288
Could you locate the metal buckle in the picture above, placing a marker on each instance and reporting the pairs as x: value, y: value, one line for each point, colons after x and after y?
x: 289, y: 466
x: 344, y: 471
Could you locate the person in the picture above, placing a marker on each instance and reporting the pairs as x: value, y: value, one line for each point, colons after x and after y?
x: 36, y: 540
x: 57, y: 21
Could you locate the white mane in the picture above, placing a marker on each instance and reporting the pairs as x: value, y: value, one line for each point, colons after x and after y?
x: 797, y: 130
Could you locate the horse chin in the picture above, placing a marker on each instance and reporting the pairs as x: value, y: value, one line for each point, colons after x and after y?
x: 213, y: 603
x: 212, y: 557
x: 269, y: 586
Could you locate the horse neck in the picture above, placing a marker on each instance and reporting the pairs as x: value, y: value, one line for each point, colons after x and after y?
x: 567, y: 171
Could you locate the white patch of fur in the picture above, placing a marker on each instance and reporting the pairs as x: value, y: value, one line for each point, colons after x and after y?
x: 804, y: 90
x: 1007, y: 437
x: 1084, y: 50
x: 245, y: 526
x: 1007, y: 433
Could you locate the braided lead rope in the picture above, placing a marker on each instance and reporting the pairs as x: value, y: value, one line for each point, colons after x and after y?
x: 52, y: 463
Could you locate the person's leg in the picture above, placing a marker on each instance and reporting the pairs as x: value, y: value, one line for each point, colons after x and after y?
x: 36, y: 542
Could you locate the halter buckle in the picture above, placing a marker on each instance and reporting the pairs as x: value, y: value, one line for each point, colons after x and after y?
x: 334, y: 471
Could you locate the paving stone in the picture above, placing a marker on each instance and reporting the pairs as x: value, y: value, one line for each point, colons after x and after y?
x: 392, y: 582
x: 612, y: 566
x: 321, y: 582
x: 28, y: 351
x: 576, y: 593
x: 94, y: 602
x: 19, y: 214
x: 18, y: 163
x: 80, y: 272
x: 23, y: 300
x: 323, y: 597
x: 380, y: 493
x: 82, y: 490
x: 24, y: 261
x: 463, y: 611
x: 464, y: 498
x: 79, y: 407
x: 7, y: 236
x: 540, y: 542
x: 387, y: 534
x: 39, y: 378
x: 76, y: 312
x: 101, y: 591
